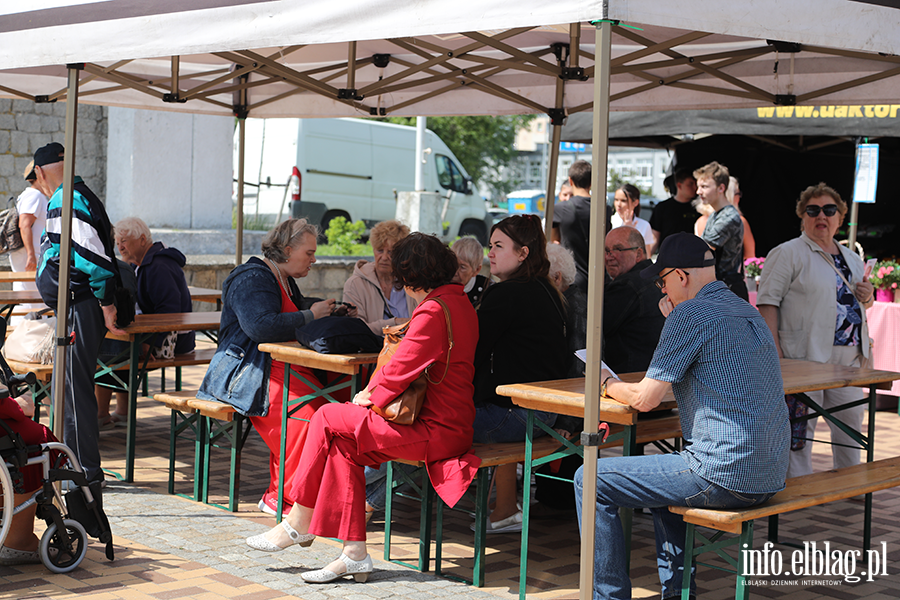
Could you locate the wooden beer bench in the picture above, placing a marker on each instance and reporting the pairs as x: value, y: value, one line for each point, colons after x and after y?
x: 207, y: 424
x: 545, y: 449
x: 800, y: 492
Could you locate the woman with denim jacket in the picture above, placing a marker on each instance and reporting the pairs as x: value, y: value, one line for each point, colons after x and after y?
x: 261, y: 303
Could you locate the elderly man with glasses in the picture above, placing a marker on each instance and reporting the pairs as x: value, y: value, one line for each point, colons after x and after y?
x: 719, y: 358
x: 632, y: 321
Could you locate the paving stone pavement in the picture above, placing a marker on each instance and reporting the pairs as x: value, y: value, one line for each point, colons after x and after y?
x: 169, y: 547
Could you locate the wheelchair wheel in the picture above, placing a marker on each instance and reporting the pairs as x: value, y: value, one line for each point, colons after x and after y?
x: 7, y: 505
x: 63, y: 552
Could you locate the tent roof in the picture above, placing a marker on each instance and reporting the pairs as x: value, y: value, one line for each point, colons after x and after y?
x: 304, y: 54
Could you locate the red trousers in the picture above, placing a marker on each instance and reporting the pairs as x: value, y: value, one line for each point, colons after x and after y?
x: 331, y: 479
x: 269, y: 426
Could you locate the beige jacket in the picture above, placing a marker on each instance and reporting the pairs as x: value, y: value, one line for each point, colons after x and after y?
x: 364, y: 292
x: 798, y: 280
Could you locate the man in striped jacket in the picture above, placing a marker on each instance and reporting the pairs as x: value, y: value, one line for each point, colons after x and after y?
x: 92, y: 284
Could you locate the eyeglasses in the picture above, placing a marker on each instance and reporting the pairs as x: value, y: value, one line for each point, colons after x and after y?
x: 619, y: 250
x: 661, y: 280
x: 813, y: 210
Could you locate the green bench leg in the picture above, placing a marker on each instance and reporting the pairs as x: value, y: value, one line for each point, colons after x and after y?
x: 388, y: 510
x: 482, y: 492
x: 425, y: 523
x: 233, y: 433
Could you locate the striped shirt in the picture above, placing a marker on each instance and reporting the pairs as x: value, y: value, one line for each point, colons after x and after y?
x: 91, y: 259
x: 720, y: 358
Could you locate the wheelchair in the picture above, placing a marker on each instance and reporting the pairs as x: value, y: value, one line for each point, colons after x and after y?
x: 64, y: 544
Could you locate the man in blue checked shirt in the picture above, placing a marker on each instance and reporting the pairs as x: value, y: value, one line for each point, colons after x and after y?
x: 719, y: 357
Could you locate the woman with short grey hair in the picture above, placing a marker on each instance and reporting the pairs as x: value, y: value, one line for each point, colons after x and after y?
x: 470, y: 254
x: 262, y: 303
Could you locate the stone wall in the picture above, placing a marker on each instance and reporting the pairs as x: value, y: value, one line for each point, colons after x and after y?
x: 26, y: 126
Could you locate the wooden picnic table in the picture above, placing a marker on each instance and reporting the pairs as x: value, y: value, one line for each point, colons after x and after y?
x: 294, y: 354
x: 138, y: 333
x: 9, y: 298
x: 566, y: 396
x: 6, y: 276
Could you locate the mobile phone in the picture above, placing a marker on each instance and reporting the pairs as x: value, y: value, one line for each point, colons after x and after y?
x: 870, y: 264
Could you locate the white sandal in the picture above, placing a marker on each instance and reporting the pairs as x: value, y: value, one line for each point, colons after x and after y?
x: 259, y: 542
x: 360, y: 570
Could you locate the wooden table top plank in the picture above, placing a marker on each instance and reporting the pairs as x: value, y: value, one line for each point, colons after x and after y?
x: 566, y: 396
x: 295, y: 354
x: 162, y: 323
x: 34, y: 297
x: 200, y: 294
x: 20, y: 276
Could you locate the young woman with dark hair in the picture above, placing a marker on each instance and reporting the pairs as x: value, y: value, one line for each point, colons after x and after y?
x: 522, y: 338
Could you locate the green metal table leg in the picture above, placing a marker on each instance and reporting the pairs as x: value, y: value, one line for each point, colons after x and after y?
x: 526, y: 503
x: 282, y: 447
x: 133, y: 381
x: 629, y: 448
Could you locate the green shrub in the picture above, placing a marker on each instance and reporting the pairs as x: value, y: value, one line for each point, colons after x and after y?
x: 343, y: 237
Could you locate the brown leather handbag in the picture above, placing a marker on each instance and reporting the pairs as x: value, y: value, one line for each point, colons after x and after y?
x: 405, y: 408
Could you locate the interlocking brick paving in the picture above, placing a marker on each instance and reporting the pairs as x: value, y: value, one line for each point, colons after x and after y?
x: 171, y: 547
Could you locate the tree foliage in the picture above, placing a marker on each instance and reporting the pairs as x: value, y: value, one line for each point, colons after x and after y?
x: 484, y: 145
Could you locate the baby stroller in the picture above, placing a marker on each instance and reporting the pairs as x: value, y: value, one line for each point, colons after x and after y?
x: 64, y: 543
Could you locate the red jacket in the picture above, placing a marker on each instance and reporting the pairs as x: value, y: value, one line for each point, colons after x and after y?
x: 448, y: 412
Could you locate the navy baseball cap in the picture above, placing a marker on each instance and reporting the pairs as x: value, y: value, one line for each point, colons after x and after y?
x: 680, y: 251
x: 49, y: 154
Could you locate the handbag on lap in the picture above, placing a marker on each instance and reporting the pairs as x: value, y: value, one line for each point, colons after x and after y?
x: 405, y: 408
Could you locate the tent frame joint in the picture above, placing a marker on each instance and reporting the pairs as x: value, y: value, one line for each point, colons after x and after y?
x: 785, y: 100
x: 43, y: 99
x: 349, y: 94
x: 557, y: 116
x: 785, y: 46
x: 173, y: 98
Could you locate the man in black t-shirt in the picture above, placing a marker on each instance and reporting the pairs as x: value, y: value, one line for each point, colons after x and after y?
x: 676, y: 214
x: 572, y: 220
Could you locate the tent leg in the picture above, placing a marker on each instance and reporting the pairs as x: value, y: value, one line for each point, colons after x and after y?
x: 242, y: 134
x: 65, y: 249
x: 595, y: 298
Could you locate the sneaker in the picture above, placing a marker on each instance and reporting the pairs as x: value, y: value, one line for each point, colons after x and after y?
x: 267, y: 505
x: 510, y: 524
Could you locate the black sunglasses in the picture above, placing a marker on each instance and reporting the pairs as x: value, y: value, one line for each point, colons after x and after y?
x: 813, y: 210
x: 661, y: 280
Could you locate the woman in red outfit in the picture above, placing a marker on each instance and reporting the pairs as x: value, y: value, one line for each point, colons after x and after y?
x: 329, y: 486
x: 21, y: 545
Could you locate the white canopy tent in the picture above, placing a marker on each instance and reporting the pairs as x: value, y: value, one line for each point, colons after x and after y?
x: 317, y: 58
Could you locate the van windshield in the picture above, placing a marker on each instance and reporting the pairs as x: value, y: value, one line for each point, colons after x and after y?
x: 449, y: 175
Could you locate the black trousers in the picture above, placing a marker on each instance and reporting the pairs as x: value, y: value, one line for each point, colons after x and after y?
x: 82, y: 431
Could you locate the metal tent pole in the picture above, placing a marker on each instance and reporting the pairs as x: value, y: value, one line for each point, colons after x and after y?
x: 596, y: 271
x: 239, y: 252
x: 65, y: 252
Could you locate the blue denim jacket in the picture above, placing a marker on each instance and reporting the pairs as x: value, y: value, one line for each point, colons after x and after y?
x: 238, y: 373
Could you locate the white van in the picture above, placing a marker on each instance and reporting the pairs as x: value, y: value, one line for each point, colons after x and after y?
x: 352, y: 168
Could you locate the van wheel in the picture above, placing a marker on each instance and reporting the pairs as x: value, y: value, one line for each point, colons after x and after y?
x: 326, y: 222
x: 474, y: 229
